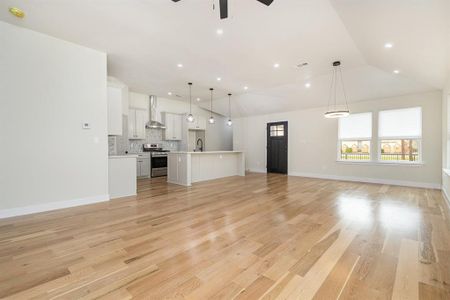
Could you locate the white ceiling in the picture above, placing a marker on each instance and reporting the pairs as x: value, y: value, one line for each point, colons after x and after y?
x: 146, y: 39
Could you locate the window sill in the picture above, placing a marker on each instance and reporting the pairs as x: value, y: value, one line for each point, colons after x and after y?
x: 379, y: 163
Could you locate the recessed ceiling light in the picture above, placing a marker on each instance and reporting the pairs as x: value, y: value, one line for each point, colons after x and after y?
x: 219, y: 31
x: 245, y: 87
x: 198, y: 99
x: 307, y: 85
x: 180, y: 65
x: 388, y: 45
x: 276, y: 65
x: 219, y: 79
x: 169, y: 93
x: 17, y: 12
x: 396, y: 71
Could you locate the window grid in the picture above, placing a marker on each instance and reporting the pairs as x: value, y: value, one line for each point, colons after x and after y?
x: 277, y: 130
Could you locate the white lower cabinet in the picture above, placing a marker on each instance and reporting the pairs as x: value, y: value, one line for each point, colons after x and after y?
x: 178, y: 169
x: 143, y: 166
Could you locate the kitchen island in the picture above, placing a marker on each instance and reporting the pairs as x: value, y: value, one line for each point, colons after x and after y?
x: 185, y: 168
x: 122, y: 175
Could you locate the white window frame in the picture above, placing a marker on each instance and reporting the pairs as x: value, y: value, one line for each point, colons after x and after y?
x: 339, y: 140
x: 419, y: 141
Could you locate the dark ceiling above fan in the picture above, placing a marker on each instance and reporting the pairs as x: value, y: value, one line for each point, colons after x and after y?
x: 223, y: 4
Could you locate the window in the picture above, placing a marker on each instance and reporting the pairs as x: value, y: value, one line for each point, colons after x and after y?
x: 355, y: 133
x: 400, y: 135
x: 277, y: 130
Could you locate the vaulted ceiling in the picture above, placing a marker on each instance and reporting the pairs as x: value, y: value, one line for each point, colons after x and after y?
x: 147, y: 39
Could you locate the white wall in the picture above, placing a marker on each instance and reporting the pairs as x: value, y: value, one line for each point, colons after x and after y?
x: 219, y: 136
x: 312, y: 149
x: 48, y: 88
x: 446, y: 139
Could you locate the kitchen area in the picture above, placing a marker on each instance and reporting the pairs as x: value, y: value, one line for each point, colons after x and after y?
x: 144, y: 131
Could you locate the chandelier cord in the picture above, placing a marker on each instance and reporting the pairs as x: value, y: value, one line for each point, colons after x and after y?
x: 335, y: 88
x: 343, y: 88
x: 190, y: 98
x: 211, y: 105
x: 229, y: 106
x: 331, y: 90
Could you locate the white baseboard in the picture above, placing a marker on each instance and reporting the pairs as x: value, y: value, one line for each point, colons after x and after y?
x: 257, y: 170
x: 32, y: 209
x: 446, y: 197
x: 183, y: 184
x: 427, y: 185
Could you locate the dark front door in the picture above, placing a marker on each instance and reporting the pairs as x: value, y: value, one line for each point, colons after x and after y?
x: 277, y: 147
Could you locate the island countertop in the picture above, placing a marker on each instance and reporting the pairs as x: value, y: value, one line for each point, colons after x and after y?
x: 123, y: 156
x: 203, y: 152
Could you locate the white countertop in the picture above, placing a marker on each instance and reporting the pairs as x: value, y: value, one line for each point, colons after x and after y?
x: 203, y: 152
x: 123, y: 156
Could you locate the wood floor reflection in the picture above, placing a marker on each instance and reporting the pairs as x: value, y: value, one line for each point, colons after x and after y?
x: 257, y: 237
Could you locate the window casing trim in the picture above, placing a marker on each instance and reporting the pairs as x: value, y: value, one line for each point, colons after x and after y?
x: 375, y: 157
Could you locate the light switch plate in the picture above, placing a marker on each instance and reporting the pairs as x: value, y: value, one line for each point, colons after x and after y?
x: 86, y: 125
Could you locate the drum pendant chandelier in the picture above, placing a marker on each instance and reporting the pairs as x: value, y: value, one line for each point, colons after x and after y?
x: 333, y: 110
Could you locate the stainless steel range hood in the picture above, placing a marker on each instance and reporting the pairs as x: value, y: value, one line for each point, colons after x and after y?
x: 153, y: 123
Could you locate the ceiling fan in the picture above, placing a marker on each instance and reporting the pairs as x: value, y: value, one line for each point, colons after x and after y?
x: 223, y: 4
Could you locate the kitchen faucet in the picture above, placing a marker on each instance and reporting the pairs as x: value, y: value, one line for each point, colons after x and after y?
x: 201, y: 142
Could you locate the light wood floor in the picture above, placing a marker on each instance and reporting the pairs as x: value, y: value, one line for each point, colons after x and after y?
x: 262, y: 236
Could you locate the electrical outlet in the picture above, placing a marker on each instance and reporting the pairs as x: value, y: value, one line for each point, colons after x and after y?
x: 86, y: 125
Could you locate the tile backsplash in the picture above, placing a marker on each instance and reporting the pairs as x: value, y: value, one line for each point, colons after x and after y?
x: 118, y: 145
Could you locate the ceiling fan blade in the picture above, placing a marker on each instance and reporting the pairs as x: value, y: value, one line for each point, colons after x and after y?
x: 266, y: 2
x: 223, y: 9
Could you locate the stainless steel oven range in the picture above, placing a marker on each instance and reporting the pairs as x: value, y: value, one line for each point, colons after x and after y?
x: 158, y: 160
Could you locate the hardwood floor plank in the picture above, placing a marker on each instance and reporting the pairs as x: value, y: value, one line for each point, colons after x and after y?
x: 407, y: 278
x: 264, y: 236
x: 256, y: 289
x: 427, y: 291
x: 335, y: 282
x: 315, y: 277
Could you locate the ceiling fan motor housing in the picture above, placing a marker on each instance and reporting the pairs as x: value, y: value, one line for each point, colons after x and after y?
x: 223, y: 4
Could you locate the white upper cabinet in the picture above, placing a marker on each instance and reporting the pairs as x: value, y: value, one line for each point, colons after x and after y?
x: 137, y: 118
x: 114, y: 110
x: 198, y: 124
x: 141, y: 120
x: 174, y: 125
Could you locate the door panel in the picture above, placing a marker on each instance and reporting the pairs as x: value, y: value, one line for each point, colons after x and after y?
x: 132, y: 124
x: 277, y: 147
x: 141, y: 119
x: 145, y: 167
x: 178, y: 123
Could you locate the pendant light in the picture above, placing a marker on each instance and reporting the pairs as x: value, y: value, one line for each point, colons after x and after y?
x: 211, y: 118
x: 190, y: 117
x: 229, y: 123
x: 333, y: 109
